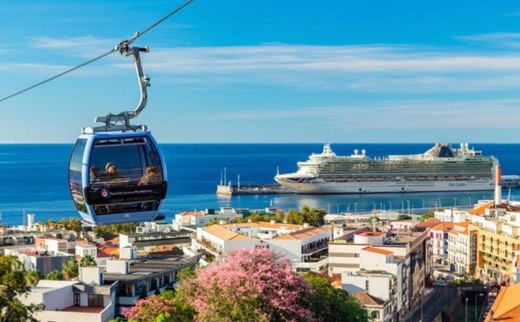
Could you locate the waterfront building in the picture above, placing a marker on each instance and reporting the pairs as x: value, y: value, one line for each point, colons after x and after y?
x: 452, y: 215
x: 192, y: 220
x: 305, y: 246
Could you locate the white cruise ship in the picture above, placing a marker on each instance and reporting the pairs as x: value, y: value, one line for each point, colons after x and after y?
x: 441, y: 168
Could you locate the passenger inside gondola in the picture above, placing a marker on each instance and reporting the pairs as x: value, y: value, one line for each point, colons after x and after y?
x: 150, y: 177
x: 111, y: 176
x: 95, y: 173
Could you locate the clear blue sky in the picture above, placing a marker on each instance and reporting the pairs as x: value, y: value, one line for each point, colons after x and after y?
x: 268, y: 71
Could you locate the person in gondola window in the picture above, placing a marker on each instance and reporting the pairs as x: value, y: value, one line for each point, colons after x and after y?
x: 111, y: 170
x: 95, y: 173
x: 150, y: 177
x: 111, y: 176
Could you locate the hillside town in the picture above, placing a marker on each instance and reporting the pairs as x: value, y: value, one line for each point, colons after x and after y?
x: 397, y: 267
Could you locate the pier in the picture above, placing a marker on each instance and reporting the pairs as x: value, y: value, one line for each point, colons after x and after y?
x: 256, y: 189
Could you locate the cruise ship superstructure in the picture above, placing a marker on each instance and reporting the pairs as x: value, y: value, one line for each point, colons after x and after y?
x: 441, y: 168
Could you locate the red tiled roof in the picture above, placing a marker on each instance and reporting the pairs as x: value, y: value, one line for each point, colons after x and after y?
x: 444, y: 226
x: 506, y: 306
x: 378, y: 250
x: 368, y: 299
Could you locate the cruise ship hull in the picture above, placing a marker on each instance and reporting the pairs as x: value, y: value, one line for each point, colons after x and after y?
x: 384, y: 186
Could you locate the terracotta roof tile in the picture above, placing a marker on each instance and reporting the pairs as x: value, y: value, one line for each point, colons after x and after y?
x: 368, y: 299
x: 506, y: 306
x: 378, y: 250
x: 302, y: 234
x: 224, y: 233
x: 444, y: 226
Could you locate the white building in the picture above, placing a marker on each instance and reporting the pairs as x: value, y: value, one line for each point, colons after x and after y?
x: 458, y: 248
x: 378, y: 310
x: 195, y: 219
x: 42, y: 260
x: 392, y: 266
x: 381, y: 276
x: 452, y: 215
x: 439, y: 242
x: 85, y: 248
x: 305, y: 246
x: 67, y: 301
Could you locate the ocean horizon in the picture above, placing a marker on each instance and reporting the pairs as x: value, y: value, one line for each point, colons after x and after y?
x: 34, y: 179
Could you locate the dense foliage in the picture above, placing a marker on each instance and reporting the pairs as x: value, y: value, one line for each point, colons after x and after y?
x: 70, y: 269
x: 313, y: 217
x: 110, y: 231
x: 13, y: 283
x: 333, y: 304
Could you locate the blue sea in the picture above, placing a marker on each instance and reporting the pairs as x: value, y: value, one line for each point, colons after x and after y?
x: 33, y: 178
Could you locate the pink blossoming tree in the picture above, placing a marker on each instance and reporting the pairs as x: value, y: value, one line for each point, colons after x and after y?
x: 249, y: 285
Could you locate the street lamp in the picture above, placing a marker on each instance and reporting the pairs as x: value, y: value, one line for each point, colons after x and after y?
x: 469, y: 198
x: 390, y: 203
x: 337, y: 209
x: 408, y: 203
x: 355, y: 207
x: 423, y: 204
x: 476, y: 306
x: 466, y: 309
x: 422, y: 301
x: 454, y: 201
x: 374, y: 206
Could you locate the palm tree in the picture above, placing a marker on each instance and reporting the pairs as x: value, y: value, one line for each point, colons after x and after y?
x: 55, y: 275
x: 33, y: 277
x: 87, y: 261
x: 70, y: 269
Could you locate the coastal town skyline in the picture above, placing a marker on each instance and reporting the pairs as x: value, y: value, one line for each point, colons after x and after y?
x: 264, y: 72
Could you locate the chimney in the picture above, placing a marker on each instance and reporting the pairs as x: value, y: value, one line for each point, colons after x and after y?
x: 498, y: 186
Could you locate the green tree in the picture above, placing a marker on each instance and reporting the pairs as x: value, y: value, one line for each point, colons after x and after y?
x: 55, y: 275
x: 313, y: 217
x: 211, y: 222
x: 429, y: 214
x: 332, y: 304
x: 404, y: 217
x: 13, y: 284
x: 279, y: 217
x: 87, y: 261
x: 71, y: 223
x: 70, y: 269
x: 110, y: 231
x: 33, y: 277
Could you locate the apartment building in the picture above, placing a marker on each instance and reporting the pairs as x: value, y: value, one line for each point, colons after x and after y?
x: 405, y: 250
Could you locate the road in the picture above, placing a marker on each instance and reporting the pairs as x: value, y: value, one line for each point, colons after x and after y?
x: 433, y: 304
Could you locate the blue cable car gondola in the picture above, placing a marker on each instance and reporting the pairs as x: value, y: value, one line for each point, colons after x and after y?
x: 116, y: 171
